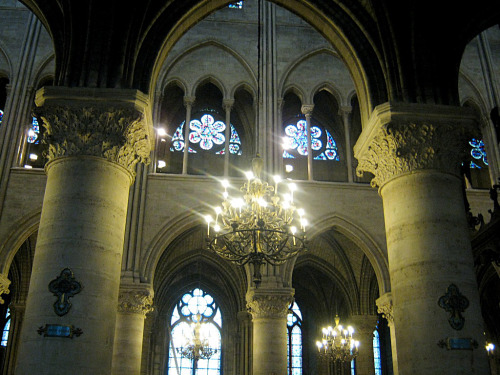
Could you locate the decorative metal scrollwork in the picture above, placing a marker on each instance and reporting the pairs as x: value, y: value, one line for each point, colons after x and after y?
x: 64, y: 287
x: 455, y: 303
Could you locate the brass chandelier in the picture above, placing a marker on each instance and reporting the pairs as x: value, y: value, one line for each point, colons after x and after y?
x: 197, y: 342
x: 338, y: 344
x: 258, y: 227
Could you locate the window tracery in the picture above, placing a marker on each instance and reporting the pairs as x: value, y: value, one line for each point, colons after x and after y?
x: 6, y: 329
x: 377, y: 359
x: 322, y: 143
x: 478, y: 153
x: 294, y: 342
x: 206, y: 134
x: 184, y: 314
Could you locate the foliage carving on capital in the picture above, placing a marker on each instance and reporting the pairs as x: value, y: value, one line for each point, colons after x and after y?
x: 135, y: 302
x: 4, y: 286
x: 384, y: 304
x: 402, y: 147
x: 269, y: 305
x: 118, y: 134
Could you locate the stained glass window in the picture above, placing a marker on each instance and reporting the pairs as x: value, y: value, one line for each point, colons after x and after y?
x: 34, y: 132
x: 353, y: 367
x: 295, y: 141
x: 6, y: 329
x: 478, y: 154
x: 206, y: 134
x: 236, y: 5
x: 1, y: 116
x: 376, y: 353
x: 294, y: 342
x: 185, y: 313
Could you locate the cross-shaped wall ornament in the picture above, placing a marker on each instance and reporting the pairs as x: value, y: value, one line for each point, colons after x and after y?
x: 455, y: 303
x: 64, y: 287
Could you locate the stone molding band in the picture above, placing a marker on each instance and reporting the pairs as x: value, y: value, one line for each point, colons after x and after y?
x: 403, y: 139
x: 135, y: 302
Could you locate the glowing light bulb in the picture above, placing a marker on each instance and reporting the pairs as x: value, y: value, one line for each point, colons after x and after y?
x: 161, y: 132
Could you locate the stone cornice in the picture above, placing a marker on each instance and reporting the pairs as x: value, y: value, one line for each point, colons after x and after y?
x: 135, y: 300
x: 406, y: 138
x: 107, y: 123
x: 270, y: 303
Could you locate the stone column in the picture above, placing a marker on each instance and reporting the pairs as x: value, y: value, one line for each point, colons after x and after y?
x: 96, y: 137
x: 414, y: 151
x: 345, y: 111
x: 269, y: 309
x: 364, y: 325
x: 227, y: 104
x: 307, y: 110
x: 384, y: 304
x: 134, y: 302
x: 244, y: 321
x: 188, y: 103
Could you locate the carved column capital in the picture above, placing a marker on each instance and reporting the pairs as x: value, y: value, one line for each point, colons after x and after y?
x: 107, y: 123
x: 135, y: 300
x: 189, y: 101
x: 384, y: 304
x: 270, y: 303
x: 407, y: 138
x: 227, y: 104
x: 4, y: 286
x: 307, y: 109
x: 345, y: 110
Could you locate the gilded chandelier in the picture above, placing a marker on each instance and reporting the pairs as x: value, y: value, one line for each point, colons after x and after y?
x: 197, y: 342
x: 258, y: 227
x: 338, y: 344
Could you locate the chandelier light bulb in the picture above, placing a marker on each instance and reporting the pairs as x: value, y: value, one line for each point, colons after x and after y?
x: 161, y: 132
x: 262, y: 202
x: 249, y: 175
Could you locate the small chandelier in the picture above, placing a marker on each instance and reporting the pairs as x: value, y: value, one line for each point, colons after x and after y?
x: 258, y: 227
x: 338, y: 344
x: 197, y: 342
